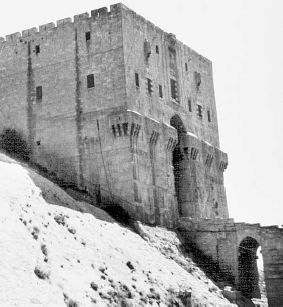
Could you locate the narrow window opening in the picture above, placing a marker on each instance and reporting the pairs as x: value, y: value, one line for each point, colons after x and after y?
x: 38, y: 92
x: 37, y: 49
x: 160, y: 91
x: 149, y: 85
x: 186, y: 66
x: 90, y: 81
x: 137, y: 80
x: 136, y: 192
x: 157, y: 49
x: 208, y: 116
x: 197, y: 79
x: 87, y: 36
x: 174, y: 94
x: 190, y: 105
x: 113, y: 130
x: 199, y: 110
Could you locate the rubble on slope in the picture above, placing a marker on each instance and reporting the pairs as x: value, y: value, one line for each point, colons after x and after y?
x: 54, y: 255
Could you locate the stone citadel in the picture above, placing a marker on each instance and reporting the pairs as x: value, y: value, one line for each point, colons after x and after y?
x: 123, y: 109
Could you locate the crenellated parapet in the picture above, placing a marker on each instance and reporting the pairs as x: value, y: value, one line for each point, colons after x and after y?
x: 96, y: 14
x: 140, y: 21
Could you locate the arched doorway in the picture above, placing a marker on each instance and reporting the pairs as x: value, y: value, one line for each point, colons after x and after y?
x: 248, y: 270
x: 178, y: 163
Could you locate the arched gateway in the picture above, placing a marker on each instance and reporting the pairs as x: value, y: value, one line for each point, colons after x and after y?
x: 247, y: 268
x: 233, y: 246
x: 181, y: 180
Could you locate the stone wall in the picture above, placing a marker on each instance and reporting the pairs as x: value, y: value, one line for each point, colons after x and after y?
x: 152, y: 54
x: 233, y: 247
x: 62, y: 126
x: 116, y: 131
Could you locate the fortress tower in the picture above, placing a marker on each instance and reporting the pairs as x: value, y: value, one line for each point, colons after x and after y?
x: 112, y: 100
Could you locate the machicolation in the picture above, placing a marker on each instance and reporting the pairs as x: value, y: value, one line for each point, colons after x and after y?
x: 114, y: 105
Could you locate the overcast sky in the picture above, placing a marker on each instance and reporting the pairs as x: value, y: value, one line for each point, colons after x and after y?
x: 244, y: 41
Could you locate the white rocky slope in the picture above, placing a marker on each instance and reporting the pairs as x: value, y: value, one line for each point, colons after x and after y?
x: 52, y: 255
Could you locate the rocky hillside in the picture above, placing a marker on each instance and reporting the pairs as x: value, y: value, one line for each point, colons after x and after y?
x: 57, y: 251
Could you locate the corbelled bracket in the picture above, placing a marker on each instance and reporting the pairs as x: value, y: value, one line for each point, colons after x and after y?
x: 135, y: 130
x: 194, y: 153
x: 209, y: 160
x: 122, y: 129
x: 171, y: 145
x: 154, y: 137
x: 223, y: 165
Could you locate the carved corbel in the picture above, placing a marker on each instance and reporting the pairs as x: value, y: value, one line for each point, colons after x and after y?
x: 194, y: 153
x: 209, y: 160
x: 154, y: 137
x: 135, y: 130
x: 222, y: 166
x: 171, y: 145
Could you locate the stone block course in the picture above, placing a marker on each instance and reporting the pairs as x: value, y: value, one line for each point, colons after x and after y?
x: 223, y: 240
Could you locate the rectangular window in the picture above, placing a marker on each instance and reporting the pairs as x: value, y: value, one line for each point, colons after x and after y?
x: 197, y: 79
x: 208, y: 116
x: 174, y: 94
x: 186, y: 66
x: 38, y: 93
x: 199, y: 110
x: 37, y: 49
x: 157, y: 49
x: 87, y: 36
x: 160, y: 91
x: 149, y: 85
x: 90, y: 81
x: 190, y: 105
x: 137, y: 80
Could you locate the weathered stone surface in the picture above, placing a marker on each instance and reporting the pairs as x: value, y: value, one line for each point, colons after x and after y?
x: 114, y: 104
x: 233, y: 247
x: 122, y: 133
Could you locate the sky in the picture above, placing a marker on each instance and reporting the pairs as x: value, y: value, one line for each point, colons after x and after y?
x: 244, y: 41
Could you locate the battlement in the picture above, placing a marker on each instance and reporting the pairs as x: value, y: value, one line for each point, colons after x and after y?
x: 141, y: 21
x: 96, y: 14
x: 78, y: 70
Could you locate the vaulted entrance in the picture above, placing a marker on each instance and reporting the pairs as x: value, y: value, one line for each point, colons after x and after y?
x: 179, y: 164
x: 248, y: 270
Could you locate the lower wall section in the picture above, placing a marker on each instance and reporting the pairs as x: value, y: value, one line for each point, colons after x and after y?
x: 139, y: 160
x: 232, y: 247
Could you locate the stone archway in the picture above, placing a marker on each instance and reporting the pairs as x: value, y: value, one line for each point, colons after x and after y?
x: 179, y: 164
x: 248, y: 282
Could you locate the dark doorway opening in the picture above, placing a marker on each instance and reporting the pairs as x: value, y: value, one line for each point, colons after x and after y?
x: 177, y: 161
x: 248, y: 270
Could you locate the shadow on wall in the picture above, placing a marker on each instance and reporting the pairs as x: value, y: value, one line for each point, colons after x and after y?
x: 205, y: 262
x: 248, y: 270
x: 177, y: 157
x: 14, y: 144
x: 62, y: 167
